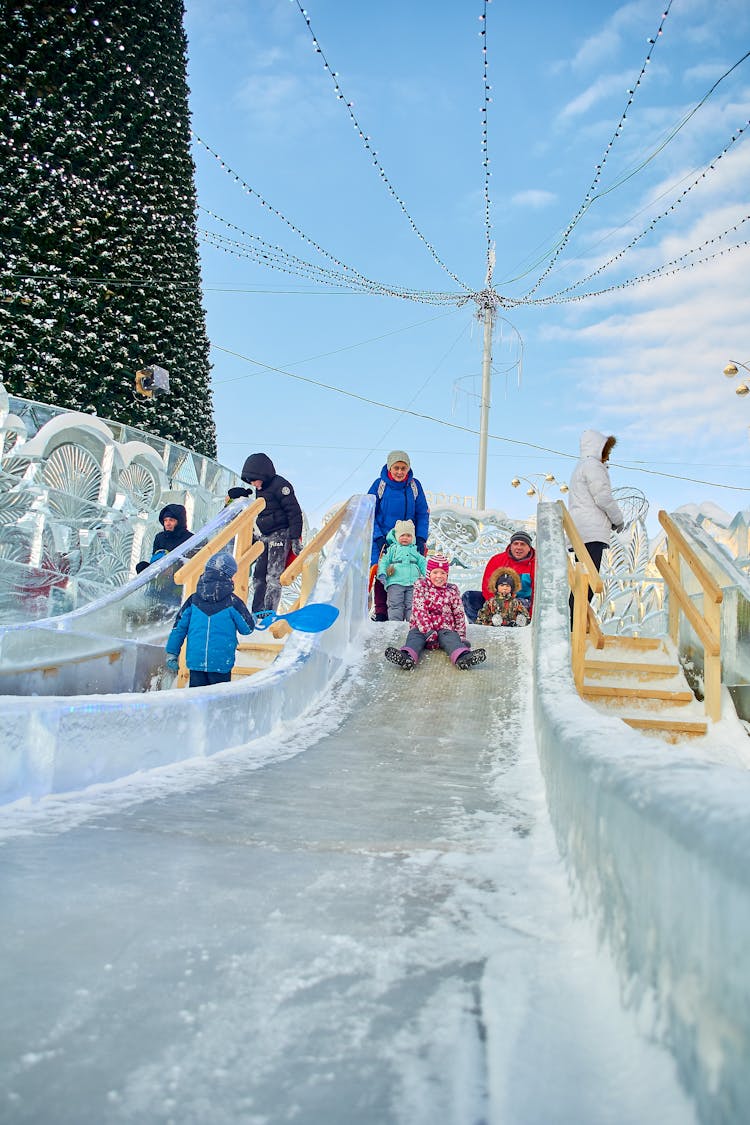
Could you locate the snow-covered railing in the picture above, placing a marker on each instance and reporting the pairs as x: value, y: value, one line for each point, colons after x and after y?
x: 658, y: 841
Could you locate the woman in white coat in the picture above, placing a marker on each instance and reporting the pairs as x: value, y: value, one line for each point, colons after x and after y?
x: 592, y: 507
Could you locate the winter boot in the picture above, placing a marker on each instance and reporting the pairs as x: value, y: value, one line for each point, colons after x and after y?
x: 471, y: 657
x: 400, y: 657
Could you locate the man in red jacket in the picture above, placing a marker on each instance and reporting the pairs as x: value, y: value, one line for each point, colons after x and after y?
x: 519, y: 556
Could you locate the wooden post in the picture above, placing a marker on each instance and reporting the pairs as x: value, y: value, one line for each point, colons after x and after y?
x: 580, y: 616
x: 673, y: 615
x: 711, y: 661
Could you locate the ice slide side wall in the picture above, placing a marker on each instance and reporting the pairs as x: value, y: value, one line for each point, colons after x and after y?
x: 56, y: 744
x: 659, y: 845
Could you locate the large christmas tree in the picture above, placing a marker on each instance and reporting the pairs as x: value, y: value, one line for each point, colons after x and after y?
x: 98, y: 249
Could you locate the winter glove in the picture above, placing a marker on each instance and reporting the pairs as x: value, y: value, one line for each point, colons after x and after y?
x: 237, y: 493
x: 618, y: 527
x: 141, y: 566
x: 173, y: 663
x: 422, y: 546
x: 390, y: 570
x: 521, y: 620
x: 296, y: 546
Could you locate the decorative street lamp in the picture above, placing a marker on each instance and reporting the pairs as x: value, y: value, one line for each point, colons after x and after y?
x: 536, y: 489
x: 732, y: 369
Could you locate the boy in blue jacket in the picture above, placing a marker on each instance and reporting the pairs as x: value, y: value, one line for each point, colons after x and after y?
x: 399, y: 568
x: 210, y: 619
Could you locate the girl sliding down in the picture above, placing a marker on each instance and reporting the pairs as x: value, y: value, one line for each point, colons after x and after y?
x: 437, y: 621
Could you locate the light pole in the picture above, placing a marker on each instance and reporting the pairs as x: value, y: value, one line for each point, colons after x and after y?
x: 535, y: 489
x: 732, y: 369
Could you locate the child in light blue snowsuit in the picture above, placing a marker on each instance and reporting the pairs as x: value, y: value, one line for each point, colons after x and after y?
x: 399, y: 568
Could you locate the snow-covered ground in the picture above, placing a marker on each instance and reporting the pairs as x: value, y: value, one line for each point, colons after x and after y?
x: 377, y: 929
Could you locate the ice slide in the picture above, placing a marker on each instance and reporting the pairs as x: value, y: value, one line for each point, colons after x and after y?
x: 363, y: 914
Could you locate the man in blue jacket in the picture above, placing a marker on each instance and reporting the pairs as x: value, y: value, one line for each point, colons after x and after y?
x: 398, y: 496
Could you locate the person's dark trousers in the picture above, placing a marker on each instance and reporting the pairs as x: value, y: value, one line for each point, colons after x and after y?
x: 379, y: 601
x: 267, y: 572
x: 202, y: 679
x: 473, y: 600
x: 448, y: 639
x: 596, y: 550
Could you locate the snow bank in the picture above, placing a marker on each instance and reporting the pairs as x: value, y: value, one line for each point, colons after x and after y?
x: 60, y: 744
x: 657, y: 841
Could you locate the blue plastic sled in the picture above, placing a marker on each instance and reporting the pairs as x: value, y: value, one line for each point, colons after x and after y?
x: 312, y: 618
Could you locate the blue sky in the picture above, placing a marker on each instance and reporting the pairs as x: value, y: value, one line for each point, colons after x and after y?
x: 642, y: 361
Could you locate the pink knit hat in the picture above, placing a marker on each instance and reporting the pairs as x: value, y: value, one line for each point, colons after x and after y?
x: 438, y: 562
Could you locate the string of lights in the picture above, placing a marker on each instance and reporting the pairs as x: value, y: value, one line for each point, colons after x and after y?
x: 665, y: 265
x: 662, y: 215
x: 485, y: 145
x: 457, y: 426
x: 658, y: 272
x: 589, y: 197
x: 366, y: 141
x: 364, y: 281
x: 267, y: 253
x: 306, y: 269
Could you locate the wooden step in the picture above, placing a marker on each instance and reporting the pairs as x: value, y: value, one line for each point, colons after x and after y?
x: 669, y: 726
x: 259, y: 646
x: 239, y: 671
x: 617, y: 667
x: 591, y: 691
x: 645, y: 644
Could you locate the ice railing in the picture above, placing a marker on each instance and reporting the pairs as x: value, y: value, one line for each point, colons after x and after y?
x: 60, y: 744
x: 633, y: 596
x: 656, y: 841
x: 79, y: 503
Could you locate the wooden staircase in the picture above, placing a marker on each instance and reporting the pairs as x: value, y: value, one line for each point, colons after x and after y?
x: 640, y: 678
x: 641, y: 681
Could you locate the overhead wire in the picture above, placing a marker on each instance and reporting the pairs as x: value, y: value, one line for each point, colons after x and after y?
x: 455, y: 425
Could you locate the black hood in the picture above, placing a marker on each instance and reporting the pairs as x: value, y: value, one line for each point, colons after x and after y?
x: 258, y: 466
x: 175, y: 512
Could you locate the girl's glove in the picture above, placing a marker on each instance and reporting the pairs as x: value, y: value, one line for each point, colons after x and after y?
x: 521, y: 620
x: 296, y: 546
x: 173, y: 663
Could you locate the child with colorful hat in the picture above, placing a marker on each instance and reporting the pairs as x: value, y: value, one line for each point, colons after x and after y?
x: 399, y: 568
x: 504, y: 607
x: 437, y: 621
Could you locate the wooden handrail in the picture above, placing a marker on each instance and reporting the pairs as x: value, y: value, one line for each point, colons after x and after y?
x: 710, y: 587
x: 707, y: 625
x: 194, y: 567
x: 583, y: 576
x: 313, y: 547
x: 711, y: 643
x: 579, y: 547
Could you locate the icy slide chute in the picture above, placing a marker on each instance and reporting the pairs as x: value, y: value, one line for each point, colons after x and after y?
x: 60, y: 744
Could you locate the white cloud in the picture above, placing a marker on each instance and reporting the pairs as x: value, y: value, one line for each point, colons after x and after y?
x: 533, y: 197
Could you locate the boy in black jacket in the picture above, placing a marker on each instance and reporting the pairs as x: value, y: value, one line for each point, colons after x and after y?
x: 280, y: 527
